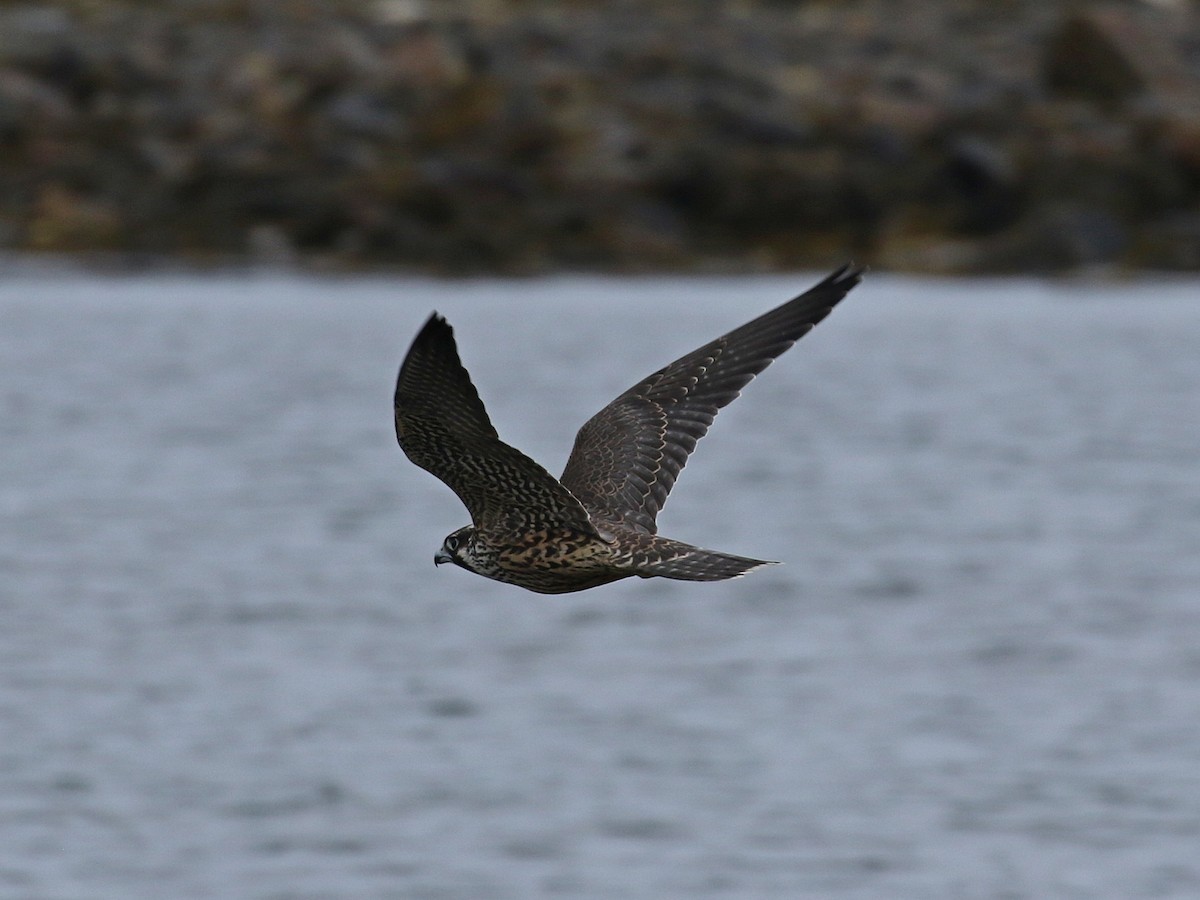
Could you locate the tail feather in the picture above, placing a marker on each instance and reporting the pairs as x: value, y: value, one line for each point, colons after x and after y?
x: 684, y: 562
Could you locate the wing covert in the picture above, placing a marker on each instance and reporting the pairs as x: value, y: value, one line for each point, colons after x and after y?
x: 443, y: 427
x: 627, y: 457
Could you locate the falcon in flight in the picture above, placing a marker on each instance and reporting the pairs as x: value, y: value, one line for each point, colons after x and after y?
x: 596, y: 523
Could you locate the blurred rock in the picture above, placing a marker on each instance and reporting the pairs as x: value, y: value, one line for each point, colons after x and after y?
x: 1091, y: 56
x: 33, y: 34
x: 1171, y: 244
x: 1059, y: 237
x: 25, y: 98
x: 268, y: 245
x: 976, y: 188
x: 362, y: 113
x: 401, y: 12
x: 519, y: 136
x: 64, y: 221
x: 425, y: 57
x: 1112, y: 54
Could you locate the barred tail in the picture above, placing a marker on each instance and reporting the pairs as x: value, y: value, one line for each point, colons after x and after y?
x: 675, y: 559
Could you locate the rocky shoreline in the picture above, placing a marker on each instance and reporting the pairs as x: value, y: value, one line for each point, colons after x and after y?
x: 520, y: 137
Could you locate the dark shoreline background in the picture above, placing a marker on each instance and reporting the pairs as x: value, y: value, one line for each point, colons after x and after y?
x: 522, y: 137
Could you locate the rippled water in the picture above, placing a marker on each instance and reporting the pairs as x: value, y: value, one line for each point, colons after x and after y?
x: 228, y: 667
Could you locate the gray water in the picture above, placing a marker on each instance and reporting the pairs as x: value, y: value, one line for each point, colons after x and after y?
x: 229, y: 669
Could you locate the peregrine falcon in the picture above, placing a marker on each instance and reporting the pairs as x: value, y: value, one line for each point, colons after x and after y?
x: 596, y: 523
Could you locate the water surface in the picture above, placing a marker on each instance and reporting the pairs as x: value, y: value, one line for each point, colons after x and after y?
x: 228, y: 667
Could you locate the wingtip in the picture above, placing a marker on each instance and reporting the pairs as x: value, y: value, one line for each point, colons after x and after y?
x: 434, y: 326
x: 847, y: 273
x: 435, y: 329
x: 835, y: 286
x: 761, y: 564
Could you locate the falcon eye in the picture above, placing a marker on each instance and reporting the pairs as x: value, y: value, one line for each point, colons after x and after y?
x: 452, y: 543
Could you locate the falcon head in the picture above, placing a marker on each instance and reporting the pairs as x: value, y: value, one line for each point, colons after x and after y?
x: 457, y: 548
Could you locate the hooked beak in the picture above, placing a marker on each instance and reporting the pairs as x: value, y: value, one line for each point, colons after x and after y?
x: 442, y: 557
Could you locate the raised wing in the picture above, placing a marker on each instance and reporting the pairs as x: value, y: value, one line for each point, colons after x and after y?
x: 626, y: 457
x: 443, y: 428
